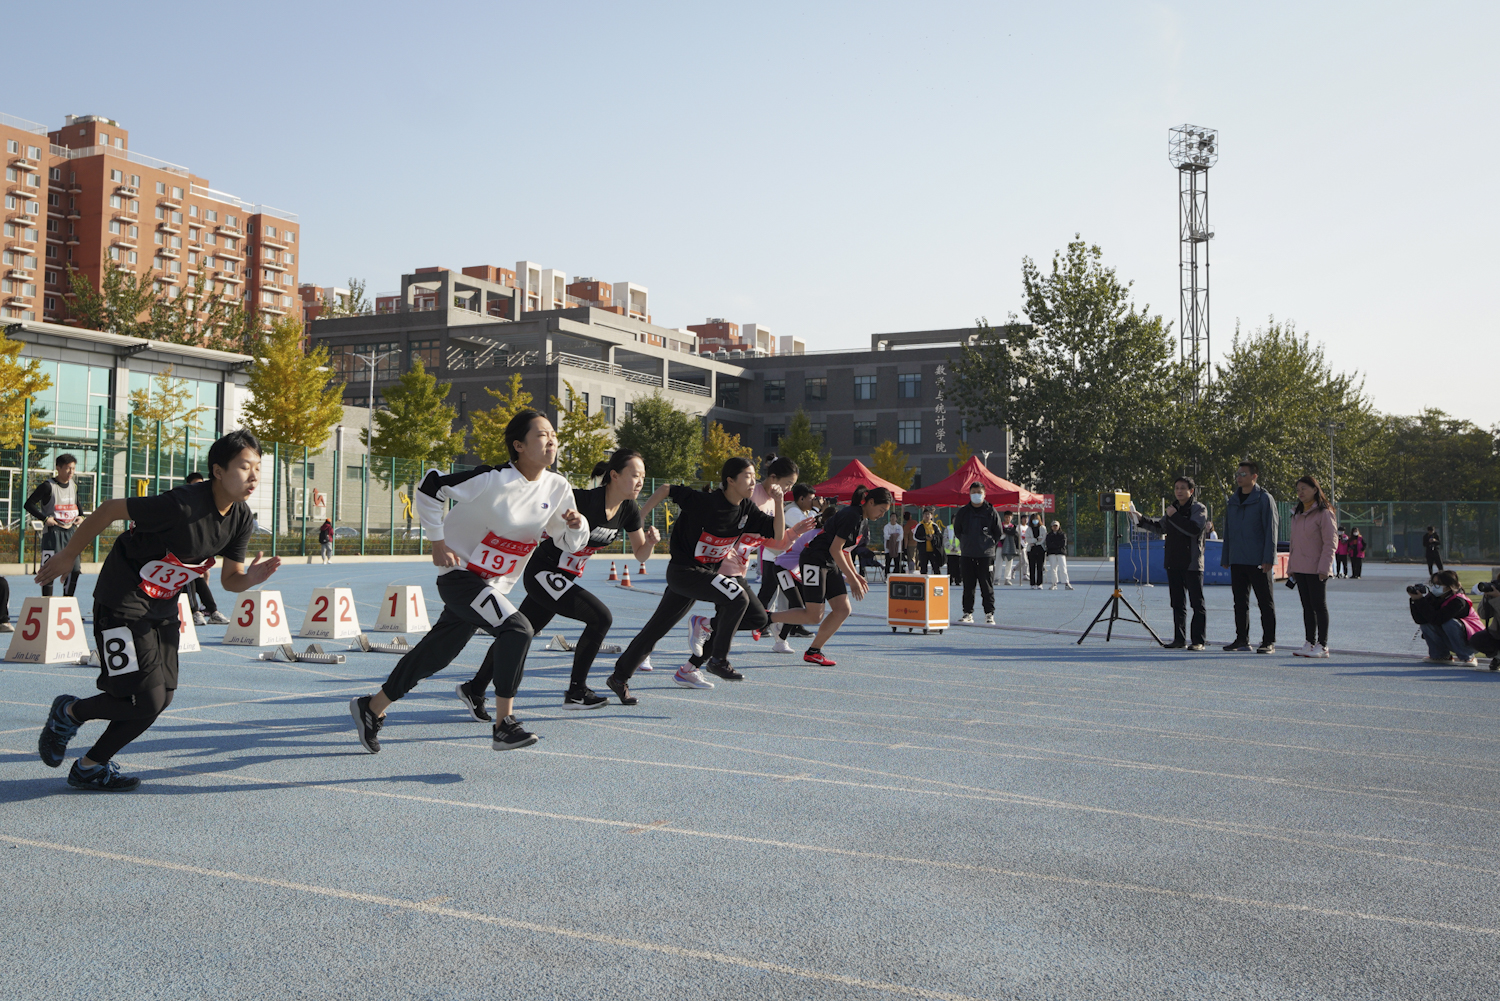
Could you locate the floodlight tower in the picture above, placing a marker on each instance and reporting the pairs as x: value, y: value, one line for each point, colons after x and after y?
x: 1193, y: 149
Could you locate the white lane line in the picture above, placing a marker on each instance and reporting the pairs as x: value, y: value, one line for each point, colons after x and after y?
x: 429, y: 907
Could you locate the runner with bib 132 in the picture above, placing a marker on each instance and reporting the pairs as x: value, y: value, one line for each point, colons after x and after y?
x: 483, y: 545
x: 174, y: 541
x: 553, y: 580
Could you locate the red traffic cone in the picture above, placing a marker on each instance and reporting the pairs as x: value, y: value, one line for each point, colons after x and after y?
x: 625, y: 580
x: 642, y: 571
x: 613, y: 573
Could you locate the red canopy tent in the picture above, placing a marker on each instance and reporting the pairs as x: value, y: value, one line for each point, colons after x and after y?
x: 842, y: 483
x: 953, y: 491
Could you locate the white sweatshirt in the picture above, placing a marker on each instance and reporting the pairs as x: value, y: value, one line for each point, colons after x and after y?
x: 498, y: 518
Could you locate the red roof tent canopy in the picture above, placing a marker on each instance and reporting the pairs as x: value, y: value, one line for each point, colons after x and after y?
x: 953, y: 491
x: 842, y: 483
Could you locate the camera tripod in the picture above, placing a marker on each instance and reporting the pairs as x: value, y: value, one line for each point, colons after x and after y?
x: 1114, y: 601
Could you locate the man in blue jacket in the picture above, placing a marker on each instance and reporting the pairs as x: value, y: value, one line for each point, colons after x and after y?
x: 1250, y: 554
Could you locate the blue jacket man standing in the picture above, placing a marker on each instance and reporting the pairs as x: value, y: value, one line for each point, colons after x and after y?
x: 1250, y: 554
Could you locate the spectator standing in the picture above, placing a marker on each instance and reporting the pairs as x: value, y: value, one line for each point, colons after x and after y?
x: 1184, y: 525
x: 1341, y: 554
x: 894, y: 535
x: 1356, y: 554
x: 929, y: 536
x: 54, y: 503
x: 325, y: 541
x: 1314, y: 532
x: 1035, y: 540
x: 1056, y: 545
x: 1432, y: 548
x: 1250, y: 554
x: 1447, y: 620
x: 1010, y: 548
x: 976, y: 526
x: 909, y: 539
x: 1213, y: 533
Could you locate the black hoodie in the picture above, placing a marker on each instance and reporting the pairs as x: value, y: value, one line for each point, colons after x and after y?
x: 1184, y: 532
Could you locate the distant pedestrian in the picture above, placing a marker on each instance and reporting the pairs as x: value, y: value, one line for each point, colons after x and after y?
x: 1213, y: 533
x: 909, y: 539
x: 1035, y: 540
x: 1010, y: 548
x: 929, y: 536
x: 977, y: 528
x: 1250, y: 554
x: 1314, y: 534
x: 892, y: 537
x: 325, y: 540
x: 1357, y: 553
x: 1432, y: 548
x: 1341, y: 554
x: 1056, y: 545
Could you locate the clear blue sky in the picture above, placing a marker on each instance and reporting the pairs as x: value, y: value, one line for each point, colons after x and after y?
x: 833, y: 170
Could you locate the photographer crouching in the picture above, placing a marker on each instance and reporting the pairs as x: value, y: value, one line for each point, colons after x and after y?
x: 1446, y: 618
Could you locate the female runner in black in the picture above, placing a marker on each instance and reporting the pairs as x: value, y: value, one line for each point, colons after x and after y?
x: 826, y: 565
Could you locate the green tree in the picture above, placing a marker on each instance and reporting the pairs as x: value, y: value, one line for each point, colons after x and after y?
x: 20, y: 380
x: 292, y: 402
x: 582, y: 438
x: 124, y: 303
x: 890, y: 463
x: 200, y: 315
x: 805, y: 448
x: 353, y: 304
x: 669, y: 440
x: 1429, y: 456
x: 416, y: 425
x: 718, y: 446
x: 960, y: 457
x: 488, y: 426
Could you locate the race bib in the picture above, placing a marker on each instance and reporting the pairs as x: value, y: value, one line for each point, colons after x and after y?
x: 497, y: 557
x: 712, y: 549
x: 65, y: 514
x: 165, y: 578
x: 573, y: 563
x: 492, y: 606
x: 812, y: 574
x: 554, y: 583
x: 786, y: 581
x: 118, y: 653
x: 728, y: 586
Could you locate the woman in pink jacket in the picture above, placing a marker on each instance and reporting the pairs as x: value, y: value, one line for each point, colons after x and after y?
x: 1314, y: 538
x: 1341, y: 554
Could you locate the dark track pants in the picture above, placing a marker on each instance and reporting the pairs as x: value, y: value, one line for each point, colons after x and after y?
x: 1036, y: 562
x: 978, y: 570
x: 735, y: 608
x: 1186, y: 587
x: 129, y: 716
x: 54, y: 540
x: 1243, y: 578
x: 468, y: 605
x: 778, y: 580
x: 550, y: 593
x: 200, y: 598
x: 1314, y: 595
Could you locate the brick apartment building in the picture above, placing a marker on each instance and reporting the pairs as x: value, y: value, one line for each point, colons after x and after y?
x: 723, y: 339
x: 103, y: 203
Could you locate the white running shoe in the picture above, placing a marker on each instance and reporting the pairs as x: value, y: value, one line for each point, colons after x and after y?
x: 698, y: 631
x: 967, y: 620
x: 782, y: 646
x: 1053, y: 588
x: 646, y: 664
x: 1303, y: 651
x: 1317, y: 652
x: 1068, y: 586
x: 989, y: 618
x: 688, y: 676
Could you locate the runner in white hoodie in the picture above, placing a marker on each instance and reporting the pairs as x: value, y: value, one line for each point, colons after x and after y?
x: 483, y: 545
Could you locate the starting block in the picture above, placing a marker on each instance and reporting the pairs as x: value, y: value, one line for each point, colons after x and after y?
x: 258, y: 619
x: 560, y: 642
x: 49, y: 631
x: 402, y: 610
x: 313, y: 655
x: 330, y: 614
x: 187, y: 633
x: 397, y: 646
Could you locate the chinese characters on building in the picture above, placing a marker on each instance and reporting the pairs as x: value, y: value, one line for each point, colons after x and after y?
x: 941, y: 409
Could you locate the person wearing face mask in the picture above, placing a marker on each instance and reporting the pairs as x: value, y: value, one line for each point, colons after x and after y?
x: 1035, y: 540
x: 1010, y: 548
x: 929, y: 536
x: 1184, y: 526
x: 1447, y: 620
x: 1057, y: 556
x: 977, y: 528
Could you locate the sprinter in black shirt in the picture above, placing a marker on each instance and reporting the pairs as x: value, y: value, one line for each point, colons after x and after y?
x: 553, y: 577
x: 173, y: 541
x: 826, y: 564
x: 710, y: 522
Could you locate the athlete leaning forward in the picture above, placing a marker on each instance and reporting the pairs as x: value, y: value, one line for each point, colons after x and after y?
x: 827, y: 564
x: 483, y: 544
x: 780, y: 473
x: 553, y: 577
x: 709, y: 522
x: 784, y: 573
x: 174, y: 540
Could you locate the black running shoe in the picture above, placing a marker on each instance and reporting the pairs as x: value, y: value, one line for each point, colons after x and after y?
x: 622, y: 690
x: 101, y: 778
x: 801, y: 630
x: 366, y: 724
x: 509, y: 734
x: 56, y: 732
x: 474, y: 703
x: 1266, y: 647
x: 583, y: 698
x: 1175, y: 645
x: 721, y: 669
x: 1238, y: 646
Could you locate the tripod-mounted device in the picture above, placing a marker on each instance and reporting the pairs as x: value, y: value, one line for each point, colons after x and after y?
x: 1114, y: 504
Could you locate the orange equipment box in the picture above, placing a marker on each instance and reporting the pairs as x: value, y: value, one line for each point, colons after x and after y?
x: 917, y: 602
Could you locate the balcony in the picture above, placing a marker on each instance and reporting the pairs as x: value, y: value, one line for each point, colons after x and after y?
x: 121, y: 189
x: 74, y: 214
x: 229, y: 228
x: 168, y: 252
x: 71, y: 239
x: 23, y: 218
x: 74, y: 188
x: 167, y: 227
x: 19, y: 275
x: 272, y: 266
x: 169, y: 201
x: 228, y: 255
x: 272, y: 309
x: 24, y: 164
x: 123, y: 241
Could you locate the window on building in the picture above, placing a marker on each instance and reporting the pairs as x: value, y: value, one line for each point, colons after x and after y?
x: 51, y: 251
x: 177, y: 193
x: 133, y: 257
x: 53, y: 199
x: 291, y: 237
x: 55, y: 173
x: 49, y: 303
x: 729, y: 393
x: 192, y: 211
x: 159, y: 236
x: 815, y: 389
x: 115, y: 201
x: 775, y: 391
x: 271, y: 232
x: 12, y: 146
x: 427, y: 351
x: 909, y: 386
x: 607, y: 408
x: 52, y: 226
x: 268, y: 253
x: 774, y: 433
x: 864, y: 433
x: 177, y: 242
x: 135, y: 232
x: 176, y: 218
x: 629, y: 410
x: 135, y: 206
x: 118, y: 176
x: 161, y: 213
x: 104, y: 138
x: 908, y: 432
x: 820, y: 429
x: 161, y: 187
x: 114, y: 253
x: 176, y: 267
x: 212, y: 215
x: 135, y: 180
x: 864, y: 387
x: 52, y: 278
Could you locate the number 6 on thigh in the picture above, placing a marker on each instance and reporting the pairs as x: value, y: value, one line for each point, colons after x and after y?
x: 118, y: 652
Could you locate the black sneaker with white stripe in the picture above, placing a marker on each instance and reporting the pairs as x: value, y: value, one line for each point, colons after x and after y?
x: 474, y: 702
x: 366, y: 724
x: 583, y: 698
x: 509, y: 734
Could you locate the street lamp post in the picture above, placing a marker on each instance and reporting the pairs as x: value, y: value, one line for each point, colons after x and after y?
x: 1333, y: 428
x: 371, y: 360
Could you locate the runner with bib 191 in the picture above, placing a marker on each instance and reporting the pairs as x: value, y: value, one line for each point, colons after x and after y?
x: 483, y: 545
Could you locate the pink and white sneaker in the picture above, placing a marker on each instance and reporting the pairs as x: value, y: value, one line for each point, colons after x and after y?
x: 699, y: 630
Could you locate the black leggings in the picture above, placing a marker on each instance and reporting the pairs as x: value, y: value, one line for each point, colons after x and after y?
x: 1341, y: 561
x: 780, y: 580
x: 468, y: 605
x: 1314, y: 595
x: 735, y: 608
x: 1036, y: 562
x: 4, y: 600
x: 543, y: 603
x: 199, y: 595
x: 129, y: 716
